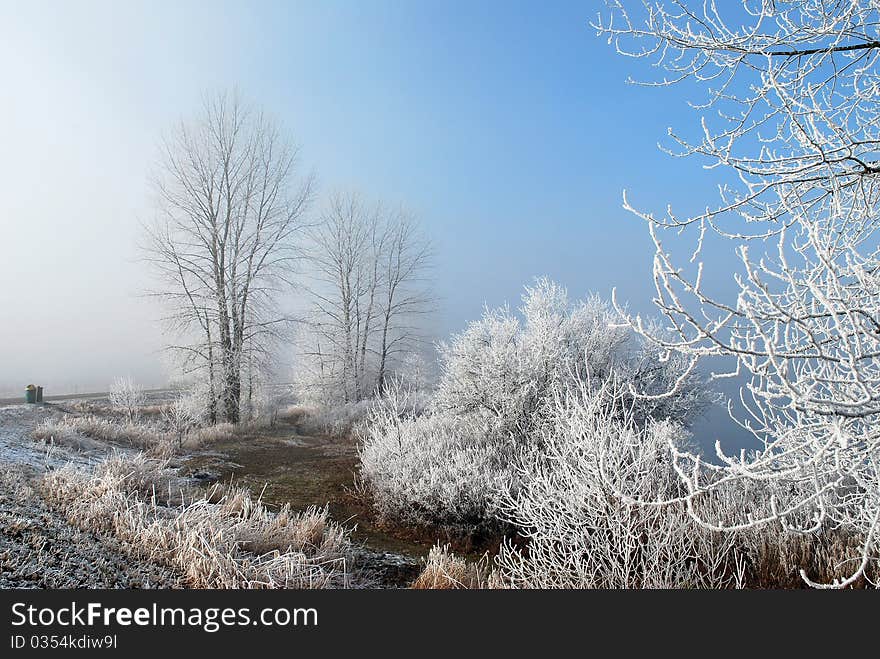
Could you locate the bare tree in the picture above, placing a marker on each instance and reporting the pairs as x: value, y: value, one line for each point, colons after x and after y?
x: 128, y: 397
x: 231, y: 209
x: 402, y: 262
x: 796, y: 121
x: 369, y: 266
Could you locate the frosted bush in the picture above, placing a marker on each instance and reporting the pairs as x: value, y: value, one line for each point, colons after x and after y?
x: 416, y: 374
x: 582, y: 498
x: 504, y: 366
x: 335, y: 421
x: 497, y: 394
x: 580, y: 533
x: 181, y: 417
x: 325, y: 410
x: 432, y: 468
x: 127, y: 397
x: 404, y: 397
x: 194, y: 400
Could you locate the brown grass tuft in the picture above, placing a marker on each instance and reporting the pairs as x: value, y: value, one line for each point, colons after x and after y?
x: 446, y: 571
x: 220, y: 540
x: 776, y: 559
x: 208, y: 435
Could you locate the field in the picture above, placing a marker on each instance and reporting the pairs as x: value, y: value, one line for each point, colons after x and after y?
x: 279, y: 465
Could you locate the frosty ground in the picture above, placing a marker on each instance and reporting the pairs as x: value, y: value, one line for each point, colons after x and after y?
x: 38, y: 547
x: 41, y: 548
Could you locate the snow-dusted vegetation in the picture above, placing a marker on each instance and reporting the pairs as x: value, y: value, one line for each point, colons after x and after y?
x: 181, y: 422
x: 556, y: 427
x: 127, y: 397
x: 581, y: 533
x: 791, y: 88
x: 497, y: 398
x: 504, y: 368
x: 537, y: 430
x: 230, y: 204
x: 223, y: 539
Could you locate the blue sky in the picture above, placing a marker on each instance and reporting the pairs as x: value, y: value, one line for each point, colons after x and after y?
x: 507, y: 126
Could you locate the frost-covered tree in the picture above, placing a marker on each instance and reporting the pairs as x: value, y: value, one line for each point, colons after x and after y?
x: 181, y: 415
x: 792, y: 115
x: 127, y: 397
x: 230, y: 212
x: 369, y: 266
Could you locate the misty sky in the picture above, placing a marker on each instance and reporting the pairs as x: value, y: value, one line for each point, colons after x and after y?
x: 508, y: 127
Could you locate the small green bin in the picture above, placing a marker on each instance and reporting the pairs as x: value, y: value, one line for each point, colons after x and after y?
x: 30, y: 394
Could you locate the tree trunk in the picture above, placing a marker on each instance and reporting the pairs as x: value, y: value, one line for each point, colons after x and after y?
x: 212, y: 377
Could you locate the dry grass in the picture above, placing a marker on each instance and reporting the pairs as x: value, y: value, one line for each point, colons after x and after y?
x: 337, y: 421
x: 775, y: 559
x: 154, y: 409
x: 148, y: 478
x: 105, y: 409
x: 208, y: 435
x: 152, y: 438
x: 129, y: 434
x: 446, y: 571
x: 102, y: 408
x: 225, y: 539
